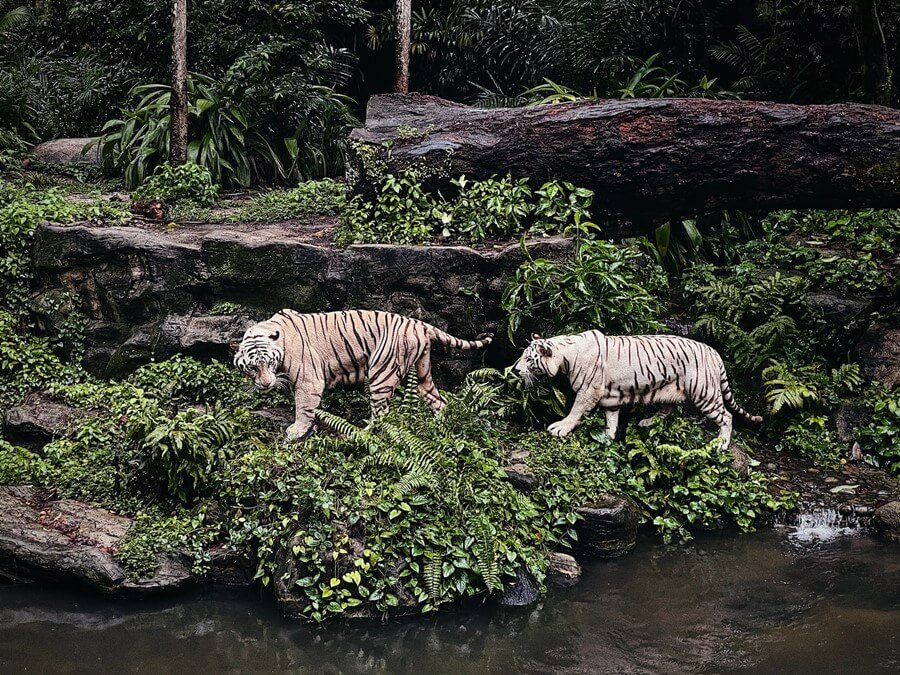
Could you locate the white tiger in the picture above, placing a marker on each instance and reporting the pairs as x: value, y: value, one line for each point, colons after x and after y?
x: 316, y: 352
x: 613, y: 371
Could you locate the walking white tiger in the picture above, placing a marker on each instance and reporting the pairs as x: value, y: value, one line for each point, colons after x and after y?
x: 612, y: 371
x: 315, y: 352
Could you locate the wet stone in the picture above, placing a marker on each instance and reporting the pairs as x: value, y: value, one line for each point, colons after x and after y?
x: 564, y: 570
x: 73, y: 543
x: 523, y: 591
x: 886, y: 521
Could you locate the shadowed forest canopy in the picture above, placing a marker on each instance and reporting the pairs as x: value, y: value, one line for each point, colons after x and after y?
x: 290, y: 76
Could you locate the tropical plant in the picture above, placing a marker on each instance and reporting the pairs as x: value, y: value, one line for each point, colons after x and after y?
x: 223, y: 137
x: 489, y: 208
x: 185, y: 451
x: 880, y: 436
x: 603, y: 286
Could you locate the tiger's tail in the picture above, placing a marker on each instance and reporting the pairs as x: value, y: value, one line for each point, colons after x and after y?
x: 480, y: 341
x: 731, y: 404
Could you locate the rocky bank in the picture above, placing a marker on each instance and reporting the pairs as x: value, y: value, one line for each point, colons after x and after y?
x: 150, y: 291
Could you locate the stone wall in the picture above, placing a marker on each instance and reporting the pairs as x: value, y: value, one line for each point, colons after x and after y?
x: 149, y: 291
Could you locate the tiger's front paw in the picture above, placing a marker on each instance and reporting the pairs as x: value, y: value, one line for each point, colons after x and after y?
x: 560, y: 429
x: 299, y: 432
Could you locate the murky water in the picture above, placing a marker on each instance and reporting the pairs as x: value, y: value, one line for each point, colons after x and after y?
x: 776, y: 601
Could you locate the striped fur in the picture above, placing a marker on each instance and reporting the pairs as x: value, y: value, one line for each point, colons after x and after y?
x: 612, y: 371
x: 316, y: 352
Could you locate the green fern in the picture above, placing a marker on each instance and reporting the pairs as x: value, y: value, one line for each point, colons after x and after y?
x: 785, y: 390
x: 433, y: 575
x: 485, y: 550
x: 341, y: 426
x: 846, y: 378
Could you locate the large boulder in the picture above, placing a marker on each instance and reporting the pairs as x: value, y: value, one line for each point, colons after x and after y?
x: 68, y: 151
x: 148, y: 291
x: 886, y: 521
x: 71, y: 542
x: 38, y: 420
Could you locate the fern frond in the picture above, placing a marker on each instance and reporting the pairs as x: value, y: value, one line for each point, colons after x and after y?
x: 784, y: 389
x: 433, y: 575
x: 485, y: 550
x: 341, y: 426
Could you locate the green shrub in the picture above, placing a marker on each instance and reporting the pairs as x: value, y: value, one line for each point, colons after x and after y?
x: 325, y: 197
x: 858, y: 271
x: 560, y: 205
x: 150, y: 536
x: 679, y: 477
x: 221, y: 137
x: 810, y: 438
x: 880, y: 437
x: 18, y: 466
x: 689, y: 481
x: 22, y: 209
x: 182, y: 379
x: 864, y: 229
x: 495, y: 207
x: 754, y: 319
x: 28, y: 362
x: 88, y: 466
x: 184, y: 451
x: 413, y: 508
x: 792, y: 388
x: 183, y: 183
x: 402, y: 212
x: 603, y: 286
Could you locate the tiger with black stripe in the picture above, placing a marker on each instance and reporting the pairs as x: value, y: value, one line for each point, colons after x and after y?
x: 316, y: 352
x: 613, y: 371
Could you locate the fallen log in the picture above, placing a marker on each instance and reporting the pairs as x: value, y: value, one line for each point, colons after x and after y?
x: 647, y: 160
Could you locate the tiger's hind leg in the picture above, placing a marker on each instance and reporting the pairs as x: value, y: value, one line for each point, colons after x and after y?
x: 382, y: 389
x: 716, y: 412
x: 426, y: 387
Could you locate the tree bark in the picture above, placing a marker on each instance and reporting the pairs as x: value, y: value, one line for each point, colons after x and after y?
x: 647, y: 160
x: 178, y: 101
x: 873, y: 52
x: 402, y: 42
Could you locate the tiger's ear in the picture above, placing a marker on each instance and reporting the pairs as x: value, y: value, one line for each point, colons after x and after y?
x: 535, y: 336
x: 545, y: 350
x: 234, y: 347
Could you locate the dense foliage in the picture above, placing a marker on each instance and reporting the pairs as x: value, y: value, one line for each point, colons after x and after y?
x: 414, y: 510
x: 403, y: 212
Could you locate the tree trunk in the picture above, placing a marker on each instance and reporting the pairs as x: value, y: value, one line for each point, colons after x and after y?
x: 873, y: 52
x: 402, y: 41
x: 647, y: 160
x: 178, y: 102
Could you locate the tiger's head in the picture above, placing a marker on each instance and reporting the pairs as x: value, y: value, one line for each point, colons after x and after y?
x: 537, y: 361
x: 260, y: 354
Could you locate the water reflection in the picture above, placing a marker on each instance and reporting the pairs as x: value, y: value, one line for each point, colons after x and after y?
x: 757, y: 603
